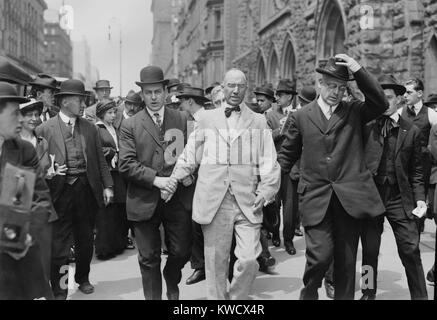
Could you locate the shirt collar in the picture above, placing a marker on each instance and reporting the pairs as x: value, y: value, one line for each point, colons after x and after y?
x: 66, y: 119
x: 160, y: 112
x: 395, y: 117
x: 418, y: 106
x: 125, y: 115
x: 196, y: 115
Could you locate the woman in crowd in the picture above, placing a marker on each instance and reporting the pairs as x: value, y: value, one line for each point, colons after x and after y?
x: 111, y: 221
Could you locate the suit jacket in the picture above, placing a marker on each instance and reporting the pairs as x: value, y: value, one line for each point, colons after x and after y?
x: 246, y: 164
x: 433, y: 146
x: 119, y: 117
x: 274, y: 117
x: 110, y: 151
x: 332, y: 156
x: 97, y: 170
x: 142, y: 159
x: 408, y: 161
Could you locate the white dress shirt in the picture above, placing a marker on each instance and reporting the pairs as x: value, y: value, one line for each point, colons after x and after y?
x: 432, y: 115
x: 67, y: 120
x: 161, y: 113
x: 326, y: 108
x: 125, y: 115
x: 234, y: 118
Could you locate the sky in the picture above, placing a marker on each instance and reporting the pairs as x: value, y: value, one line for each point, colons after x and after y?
x: 92, y: 19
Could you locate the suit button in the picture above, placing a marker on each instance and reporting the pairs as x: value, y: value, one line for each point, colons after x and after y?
x: 328, y: 159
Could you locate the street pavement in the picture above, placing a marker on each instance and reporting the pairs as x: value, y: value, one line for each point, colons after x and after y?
x: 120, y: 278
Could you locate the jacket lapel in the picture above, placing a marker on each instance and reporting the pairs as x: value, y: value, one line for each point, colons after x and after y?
x: 151, y: 128
x: 10, y: 153
x: 338, y: 115
x: 83, y: 132
x: 59, y: 140
x: 315, y: 114
x: 401, y: 136
x: 221, y: 124
x: 246, y: 120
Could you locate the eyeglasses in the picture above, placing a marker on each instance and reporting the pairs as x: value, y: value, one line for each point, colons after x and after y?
x: 235, y: 85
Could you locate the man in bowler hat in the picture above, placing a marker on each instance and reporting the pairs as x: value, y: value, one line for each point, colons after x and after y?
x: 265, y: 96
x: 103, y: 91
x: 335, y: 189
x: 87, y: 185
x: 149, y: 143
x: 44, y: 88
x: 287, y: 195
x: 393, y: 155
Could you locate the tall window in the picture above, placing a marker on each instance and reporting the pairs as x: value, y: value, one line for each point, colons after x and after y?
x: 261, y: 71
x: 273, y: 69
x: 289, y: 62
x: 431, y: 67
x: 331, y: 34
x: 218, y: 24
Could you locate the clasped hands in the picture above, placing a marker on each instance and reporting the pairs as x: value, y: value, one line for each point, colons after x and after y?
x: 168, y: 186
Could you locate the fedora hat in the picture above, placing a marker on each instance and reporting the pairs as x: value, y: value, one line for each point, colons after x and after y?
x: 287, y: 86
x: 173, y: 83
x: 308, y: 94
x: 11, y: 73
x: 31, y: 105
x: 72, y: 87
x: 432, y: 99
x: 191, y: 92
x: 8, y: 93
x: 266, y: 90
x: 390, y: 82
x: 103, y: 84
x: 45, y: 82
x: 134, y: 98
x: 152, y: 75
x: 335, y: 71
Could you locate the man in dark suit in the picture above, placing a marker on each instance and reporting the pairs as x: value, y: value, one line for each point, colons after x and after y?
x: 150, y: 143
x: 335, y: 188
x: 87, y: 185
x: 393, y: 155
x: 276, y: 119
x: 43, y: 89
x: 22, y: 274
x: 103, y: 91
x: 131, y: 106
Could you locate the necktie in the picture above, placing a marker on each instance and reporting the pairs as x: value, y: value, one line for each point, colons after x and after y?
x: 158, y: 120
x: 385, y: 125
x: 330, y: 112
x: 71, y: 126
x: 411, y: 112
x: 228, y: 111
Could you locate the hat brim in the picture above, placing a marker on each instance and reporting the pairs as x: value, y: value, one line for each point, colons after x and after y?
x: 60, y: 94
x: 265, y: 94
x: 398, y: 89
x: 39, y: 105
x: 304, y: 99
x: 141, y: 84
x: 430, y: 103
x: 203, y: 99
x: 14, y: 99
x: 102, y: 88
x: 133, y: 102
x: 334, y: 75
x: 287, y: 91
x: 39, y: 85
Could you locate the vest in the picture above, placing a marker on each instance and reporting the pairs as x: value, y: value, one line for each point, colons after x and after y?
x: 76, y: 162
x: 387, y: 170
x: 421, y: 121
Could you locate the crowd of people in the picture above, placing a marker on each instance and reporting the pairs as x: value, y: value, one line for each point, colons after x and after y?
x: 204, y: 177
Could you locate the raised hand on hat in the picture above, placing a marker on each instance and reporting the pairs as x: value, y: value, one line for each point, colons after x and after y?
x: 349, y: 62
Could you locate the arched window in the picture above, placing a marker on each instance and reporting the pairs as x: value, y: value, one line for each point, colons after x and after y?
x: 273, y: 69
x: 331, y: 34
x: 431, y: 67
x: 260, y: 71
x: 289, y: 62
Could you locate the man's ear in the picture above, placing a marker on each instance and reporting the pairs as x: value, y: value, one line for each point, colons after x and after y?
x: 420, y: 94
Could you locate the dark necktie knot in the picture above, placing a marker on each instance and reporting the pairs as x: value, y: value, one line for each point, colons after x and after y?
x: 228, y: 111
x: 411, y: 111
x: 385, y: 125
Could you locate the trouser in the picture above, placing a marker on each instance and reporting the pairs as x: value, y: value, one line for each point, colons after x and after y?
x: 230, y: 220
x: 76, y: 208
x: 336, y: 237
x: 197, y: 256
x: 176, y: 222
x: 407, y: 240
x: 290, y: 207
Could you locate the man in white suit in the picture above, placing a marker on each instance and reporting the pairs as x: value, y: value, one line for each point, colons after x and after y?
x: 238, y: 175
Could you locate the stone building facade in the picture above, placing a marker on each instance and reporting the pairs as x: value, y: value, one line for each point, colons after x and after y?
x: 162, y: 48
x: 274, y: 39
x: 21, y: 33
x: 58, y: 51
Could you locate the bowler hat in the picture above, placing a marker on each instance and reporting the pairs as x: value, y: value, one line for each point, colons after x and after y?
x: 173, y: 83
x: 432, y: 99
x: 336, y: 71
x: 210, y: 88
x: 390, y: 82
x: 103, y: 84
x: 72, y: 87
x: 133, y: 98
x: 152, y: 75
x: 308, y: 94
x: 266, y: 90
x: 11, y: 73
x: 103, y: 107
x: 8, y: 93
x: 45, y: 82
x: 191, y: 92
x: 33, y: 104
x: 287, y: 86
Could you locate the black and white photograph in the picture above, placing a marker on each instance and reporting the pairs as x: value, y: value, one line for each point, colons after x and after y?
x: 236, y: 152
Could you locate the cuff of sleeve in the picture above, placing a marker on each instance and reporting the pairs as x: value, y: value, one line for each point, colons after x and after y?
x: 355, y: 67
